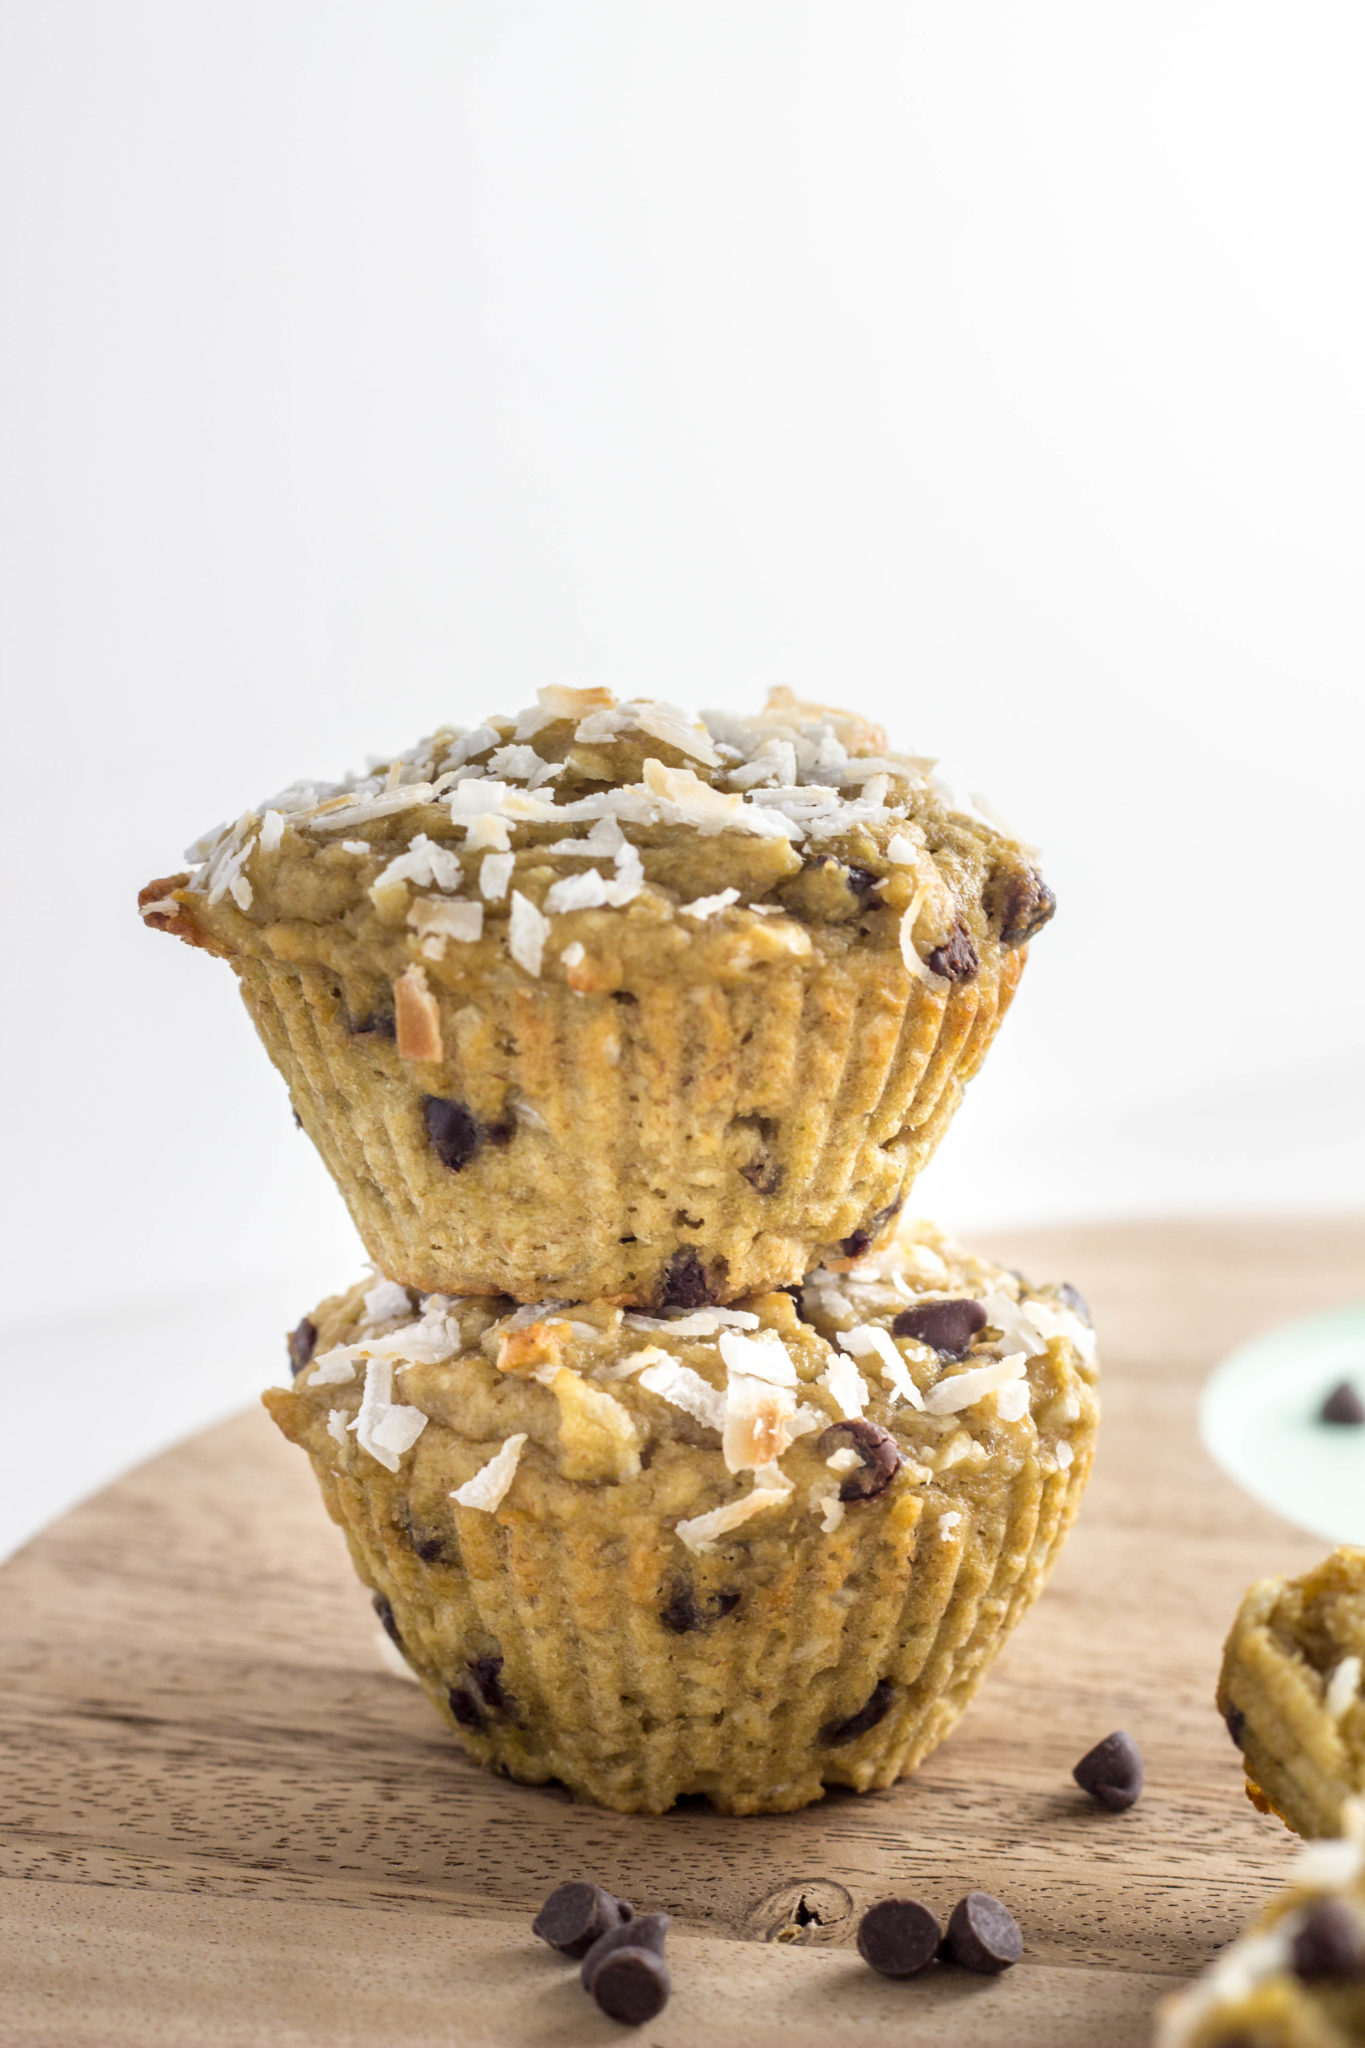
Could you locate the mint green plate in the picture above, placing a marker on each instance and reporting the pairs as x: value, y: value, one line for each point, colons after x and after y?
x: 1259, y: 1422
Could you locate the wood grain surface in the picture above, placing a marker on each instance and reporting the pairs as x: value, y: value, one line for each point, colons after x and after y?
x: 223, y: 1823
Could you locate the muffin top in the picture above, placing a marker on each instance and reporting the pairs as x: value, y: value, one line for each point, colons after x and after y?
x: 920, y: 1368
x: 595, y: 841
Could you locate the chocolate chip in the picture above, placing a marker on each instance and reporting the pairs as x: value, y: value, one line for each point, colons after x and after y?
x: 863, y: 882
x: 853, y: 1247
x: 381, y: 1024
x: 1019, y: 901
x: 431, y: 1549
x: 644, y: 1932
x: 1076, y: 1302
x: 957, y: 960
x: 684, y: 1283
x: 945, y: 1326
x: 1236, y: 1721
x: 1329, y: 1943
x: 302, y: 1342
x: 1112, y: 1771
x: 298, y: 1120
x: 982, y: 1935
x: 386, y: 1620
x: 877, y: 1449
x: 465, y: 1707
x: 486, y: 1672
x: 453, y: 1131
x: 577, y: 1915
x: 868, y: 1715
x: 682, y: 1612
x: 632, y: 1986
x: 763, y: 1174
x: 898, y: 1937
x: 1343, y: 1404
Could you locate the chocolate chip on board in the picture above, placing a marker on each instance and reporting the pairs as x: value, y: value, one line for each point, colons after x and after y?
x: 957, y: 960
x: 872, y: 1710
x: 1112, y: 1771
x: 453, y: 1131
x: 302, y: 1342
x: 947, y: 1327
x: 645, y: 1931
x: 877, y: 1450
x: 983, y: 1935
x: 898, y: 1937
x: 632, y: 1986
x: 1343, y: 1405
x: 1329, y: 1944
x: 578, y: 1914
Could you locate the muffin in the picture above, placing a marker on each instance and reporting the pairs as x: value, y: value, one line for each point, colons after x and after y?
x: 608, y: 1003
x: 1297, y: 1978
x: 746, y: 1552
x: 1292, y: 1693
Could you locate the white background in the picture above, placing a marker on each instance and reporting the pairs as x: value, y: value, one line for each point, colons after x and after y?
x: 994, y: 369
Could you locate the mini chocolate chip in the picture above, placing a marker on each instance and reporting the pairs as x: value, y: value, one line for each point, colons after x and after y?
x: 898, y: 1937
x: 644, y: 1931
x: 853, y: 1247
x: 876, y: 1447
x: 387, y: 1622
x: 1075, y: 1301
x: 298, y: 1120
x: 945, y: 1326
x: 499, y: 1134
x: 632, y: 1986
x: 454, y: 1133
x: 957, y: 961
x: 982, y: 1935
x: 381, y: 1024
x: 684, y: 1283
x: 1329, y: 1943
x: 431, y: 1549
x: 1112, y: 1771
x: 578, y: 1914
x: 763, y: 1173
x: 486, y: 1672
x: 1235, y: 1721
x: 465, y: 1707
x: 726, y: 1603
x: 302, y: 1342
x: 868, y: 1715
x: 1343, y: 1404
x: 1019, y: 901
x: 682, y: 1612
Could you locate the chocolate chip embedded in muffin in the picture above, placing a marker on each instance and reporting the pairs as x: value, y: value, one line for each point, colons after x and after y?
x: 983, y: 1935
x: 453, y: 1131
x: 302, y: 1342
x: 947, y: 1327
x: 684, y: 1283
x: 386, y: 1620
x: 1235, y: 1721
x: 872, y: 1710
x: 465, y: 1708
x: 1019, y: 901
x: 486, y: 1672
x: 862, y: 1240
x: 957, y: 959
x: 1112, y: 1771
x: 379, y: 1024
x: 1329, y: 1945
x: 683, y: 1613
x: 577, y: 1915
x: 898, y: 1937
x: 878, y: 1454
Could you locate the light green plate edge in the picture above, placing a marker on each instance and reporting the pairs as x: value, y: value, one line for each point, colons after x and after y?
x: 1258, y: 1419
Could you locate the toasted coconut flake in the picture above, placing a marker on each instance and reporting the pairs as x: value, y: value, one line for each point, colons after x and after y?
x: 964, y: 1389
x: 701, y: 1532
x: 333, y: 817
x: 536, y: 1349
x: 574, y: 704
x: 527, y: 932
x: 597, y: 1435
x: 707, y: 906
x: 694, y: 802
x: 488, y: 1488
x: 757, y: 1415
x: 764, y: 1357
x: 417, y: 1017
x: 685, y: 1389
x: 846, y: 1386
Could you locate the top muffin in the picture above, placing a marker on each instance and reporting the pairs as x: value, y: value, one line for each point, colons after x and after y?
x: 610, y: 1002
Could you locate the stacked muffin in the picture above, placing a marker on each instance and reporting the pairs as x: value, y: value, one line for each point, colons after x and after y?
x: 673, y: 1464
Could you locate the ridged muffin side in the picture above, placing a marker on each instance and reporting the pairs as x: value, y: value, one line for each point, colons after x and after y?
x: 588, y: 1615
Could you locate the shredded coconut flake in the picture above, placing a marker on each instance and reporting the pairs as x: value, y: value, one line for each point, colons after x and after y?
x: 701, y: 1532
x: 1012, y: 1401
x: 865, y: 1339
x: 1065, y: 1454
x: 1342, y: 1687
x: 272, y: 831
x: 947, y: 1523
x: 527, y: 932
x: 846, y: 1386
x: 834, y: 1513
x: 488, y: 1488
x: 965, y: 1389
x: 1328, y: 1866
x: 385, y: 1300
x: 764, y: 1357
x: 686, y: 1389
x: 337, y: 1419
x: 707, y: 906
x: 382, y: 1427
x: 844, y: 1460
x: 495, y: 874
x: 392, y: 1658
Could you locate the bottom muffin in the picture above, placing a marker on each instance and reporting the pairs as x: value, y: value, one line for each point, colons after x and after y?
x: 745, y: 1552
x: 1293, y: 1695
x: 1296, y: 1979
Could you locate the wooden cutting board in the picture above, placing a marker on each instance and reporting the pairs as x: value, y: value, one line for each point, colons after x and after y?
x: 223, y: 1823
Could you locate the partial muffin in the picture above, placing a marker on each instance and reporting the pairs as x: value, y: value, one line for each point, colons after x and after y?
x: 1297, y: 1978
x: 745, y: 1552
x: 1292, y: 1695
x: 610, y: 1003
